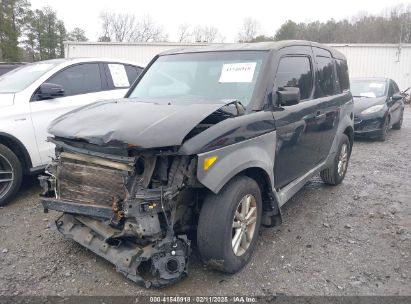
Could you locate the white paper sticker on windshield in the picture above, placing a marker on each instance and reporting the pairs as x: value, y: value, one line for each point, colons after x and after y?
x: 119, y: 75
x: 238, y: 72
x: 368, y: 94
x: 376, y: 85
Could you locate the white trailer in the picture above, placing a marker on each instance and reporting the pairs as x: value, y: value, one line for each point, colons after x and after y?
x: 364, y: 60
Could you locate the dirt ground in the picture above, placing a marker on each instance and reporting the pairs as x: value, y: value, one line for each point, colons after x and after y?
x: 353, y: 239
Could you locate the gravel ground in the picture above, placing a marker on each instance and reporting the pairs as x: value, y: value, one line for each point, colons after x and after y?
x: 353, y: 239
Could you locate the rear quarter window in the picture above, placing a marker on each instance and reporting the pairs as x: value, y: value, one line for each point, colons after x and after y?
x: 342, y: 75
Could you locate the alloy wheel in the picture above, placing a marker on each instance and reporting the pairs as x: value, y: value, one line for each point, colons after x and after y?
x: 343, y: 160
x: 6, y: 175
x: 244, y: 224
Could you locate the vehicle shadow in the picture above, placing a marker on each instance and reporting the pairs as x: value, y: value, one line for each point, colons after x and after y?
x: 30, y: 187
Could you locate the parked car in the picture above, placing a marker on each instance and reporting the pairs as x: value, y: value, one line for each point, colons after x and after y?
x: 33, y: 95
x: 378, y: 106
x: 208, y: 144
x: 6, y: 67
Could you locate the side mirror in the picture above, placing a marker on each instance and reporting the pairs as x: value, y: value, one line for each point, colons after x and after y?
x: 288, y: 96
x: 396, y: 97
x: 50, y: 90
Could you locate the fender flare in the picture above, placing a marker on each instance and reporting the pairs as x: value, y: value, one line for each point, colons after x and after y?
x: 257, y: 152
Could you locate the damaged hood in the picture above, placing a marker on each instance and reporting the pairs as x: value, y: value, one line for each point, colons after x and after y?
x: 137, y: 123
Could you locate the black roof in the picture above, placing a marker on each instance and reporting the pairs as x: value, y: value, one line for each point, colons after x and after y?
x: 259, y: 46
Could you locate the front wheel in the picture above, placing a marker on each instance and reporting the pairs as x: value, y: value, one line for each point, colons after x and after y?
x: 398, y: 125
x: 10, y: 174
x: 384, y: 129
x: 228, y: 225
x: 336, y: 173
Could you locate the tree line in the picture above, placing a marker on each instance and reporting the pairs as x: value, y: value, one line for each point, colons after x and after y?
x: 393, y: 26
x: 32, y: 35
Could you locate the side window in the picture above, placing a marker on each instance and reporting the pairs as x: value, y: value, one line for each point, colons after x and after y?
x: 396, y: 89
x: 79, y: 79
x: 132, y: 72
x: 325, y: 77
x: 295, y: 71
x: 391, y: 89
x: 342, y: 74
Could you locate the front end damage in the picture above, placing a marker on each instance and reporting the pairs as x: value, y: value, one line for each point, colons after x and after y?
x: 126, y: 206
x: 134, y: 200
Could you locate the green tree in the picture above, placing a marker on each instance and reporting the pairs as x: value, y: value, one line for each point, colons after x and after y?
x: 289, y: 30
x: 77, y: 34
x: 12, y: 19
x: 45, y: 35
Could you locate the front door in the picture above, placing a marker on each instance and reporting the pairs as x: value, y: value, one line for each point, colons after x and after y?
x: 297, y: 128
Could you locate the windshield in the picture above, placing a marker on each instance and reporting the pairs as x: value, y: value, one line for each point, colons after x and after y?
x: 368, y: 88
x: 20, y: 78
x: 202, y: 77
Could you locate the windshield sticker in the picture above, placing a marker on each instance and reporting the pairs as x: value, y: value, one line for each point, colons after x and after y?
x: 119, y: 75
x: 368, y: 94
x: 237, y: 72
x: 376, y: 85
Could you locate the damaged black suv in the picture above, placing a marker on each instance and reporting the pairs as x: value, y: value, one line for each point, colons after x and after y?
x: 207, y: 145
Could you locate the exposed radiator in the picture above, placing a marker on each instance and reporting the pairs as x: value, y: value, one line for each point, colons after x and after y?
x: 89, y: 184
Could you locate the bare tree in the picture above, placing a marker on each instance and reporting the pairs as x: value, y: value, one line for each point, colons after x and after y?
x: 126, y: 27
x: 184, y: 34
x: 207, y: 34
x: 106, y: 24
x: 249, y: 30
x: 122, y: 27
x: 146, y: 30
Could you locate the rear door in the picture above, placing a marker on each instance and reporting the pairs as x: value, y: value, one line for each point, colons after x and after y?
x: 328, y: 98
x: 120, y: 77
x: 297, y: 130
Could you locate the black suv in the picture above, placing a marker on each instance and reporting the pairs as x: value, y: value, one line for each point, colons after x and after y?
x: 208, y: 144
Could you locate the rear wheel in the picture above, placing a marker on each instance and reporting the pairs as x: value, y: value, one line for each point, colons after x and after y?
x: 398, y: 125
x: 336, y: 173
x: 228, y: 225
x: 10, y: 174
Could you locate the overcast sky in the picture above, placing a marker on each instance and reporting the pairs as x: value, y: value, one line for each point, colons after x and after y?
x: 226, y: 15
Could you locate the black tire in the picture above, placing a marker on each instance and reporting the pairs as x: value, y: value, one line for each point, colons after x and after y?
x: 215, y: 225
x: 384, y: 129
x: 9, y: 163
x: 398, y: 125
x: 331, y: 176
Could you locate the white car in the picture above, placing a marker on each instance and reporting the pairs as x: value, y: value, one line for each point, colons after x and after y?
x: 35, y: 94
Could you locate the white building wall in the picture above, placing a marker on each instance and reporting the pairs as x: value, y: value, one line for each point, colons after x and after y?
x: 381, y: 60
x: 138, y: 52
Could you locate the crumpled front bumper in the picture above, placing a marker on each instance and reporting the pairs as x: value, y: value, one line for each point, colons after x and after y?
x: 128, y: 256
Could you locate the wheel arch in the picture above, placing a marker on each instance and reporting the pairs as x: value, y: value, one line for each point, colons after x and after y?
x: 18, y: 148
x: 349, y: 131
